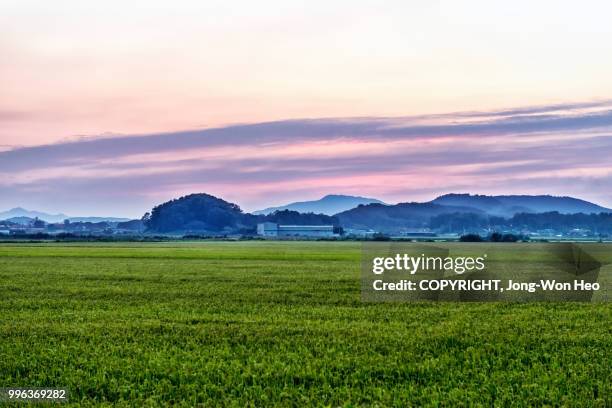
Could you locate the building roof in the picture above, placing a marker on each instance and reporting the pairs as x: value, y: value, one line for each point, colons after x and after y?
x: 307, y: 226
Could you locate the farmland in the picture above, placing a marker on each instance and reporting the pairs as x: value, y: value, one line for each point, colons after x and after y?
x: 278, y: 323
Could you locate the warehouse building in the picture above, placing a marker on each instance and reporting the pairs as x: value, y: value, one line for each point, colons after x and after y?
x: 271, y: 229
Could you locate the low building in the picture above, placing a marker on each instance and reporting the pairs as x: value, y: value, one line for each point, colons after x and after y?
x: 267, y: 229
x: 270, y: 229
x: 359, y: 233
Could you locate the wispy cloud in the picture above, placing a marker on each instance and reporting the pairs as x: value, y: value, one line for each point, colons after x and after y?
x: 558, y: 149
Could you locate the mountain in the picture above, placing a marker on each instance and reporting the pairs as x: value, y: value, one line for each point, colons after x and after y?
x: 394, y: 218
x: 20, y: 220
x: 22, y: 212
x: 98, y: 219
x: 508, y: 205
x: 329, y: 205
x: 196, y: 212
x: 24, y: 215
x: 204, y: 213
x: 451, y: 210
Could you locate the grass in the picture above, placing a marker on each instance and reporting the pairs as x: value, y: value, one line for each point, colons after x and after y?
x: 278, y: 323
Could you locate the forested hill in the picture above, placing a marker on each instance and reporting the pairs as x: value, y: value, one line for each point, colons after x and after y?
x: 457, y: 212
x: 382, y: 217
x: 330, y: 204
x: 509, y: 205
x: 205, y: 213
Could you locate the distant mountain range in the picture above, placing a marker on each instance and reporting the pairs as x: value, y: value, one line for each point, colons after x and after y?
x: 203, y: 212
x: 22, y: 216
x: 502, y: 205
x: 396, y: 217
x: 418, y: 215
x: 508, y: 205
x: 328, y: 205
x: 452, y: 213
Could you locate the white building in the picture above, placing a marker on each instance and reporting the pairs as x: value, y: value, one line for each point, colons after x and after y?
x: 267, y: 229
x: 359, y: 233
x: 271, y: 229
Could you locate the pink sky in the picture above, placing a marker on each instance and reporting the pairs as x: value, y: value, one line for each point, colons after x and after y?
x: 445, y: 96
x: 557, y: 149
x: 72, y: 68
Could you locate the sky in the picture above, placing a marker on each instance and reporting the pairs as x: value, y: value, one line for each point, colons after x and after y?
x: 108, y: 108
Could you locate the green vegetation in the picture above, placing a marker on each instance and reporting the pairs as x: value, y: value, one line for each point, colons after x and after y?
x: 208, y: 214
x: 278, y: 323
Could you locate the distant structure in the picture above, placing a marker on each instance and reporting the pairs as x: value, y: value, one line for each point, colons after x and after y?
x: 359, y: 233
x: 271, y: 229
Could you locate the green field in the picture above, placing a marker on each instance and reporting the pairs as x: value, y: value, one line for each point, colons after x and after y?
x: 277, y: 323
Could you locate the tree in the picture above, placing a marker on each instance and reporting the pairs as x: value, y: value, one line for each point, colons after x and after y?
x: 471, y: 238
x: 496, y: 237
x: 38, y: 223
x: 208, y: 214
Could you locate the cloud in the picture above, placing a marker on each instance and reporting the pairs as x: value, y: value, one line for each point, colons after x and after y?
x: 529, y: 110
x: 397, y: 159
